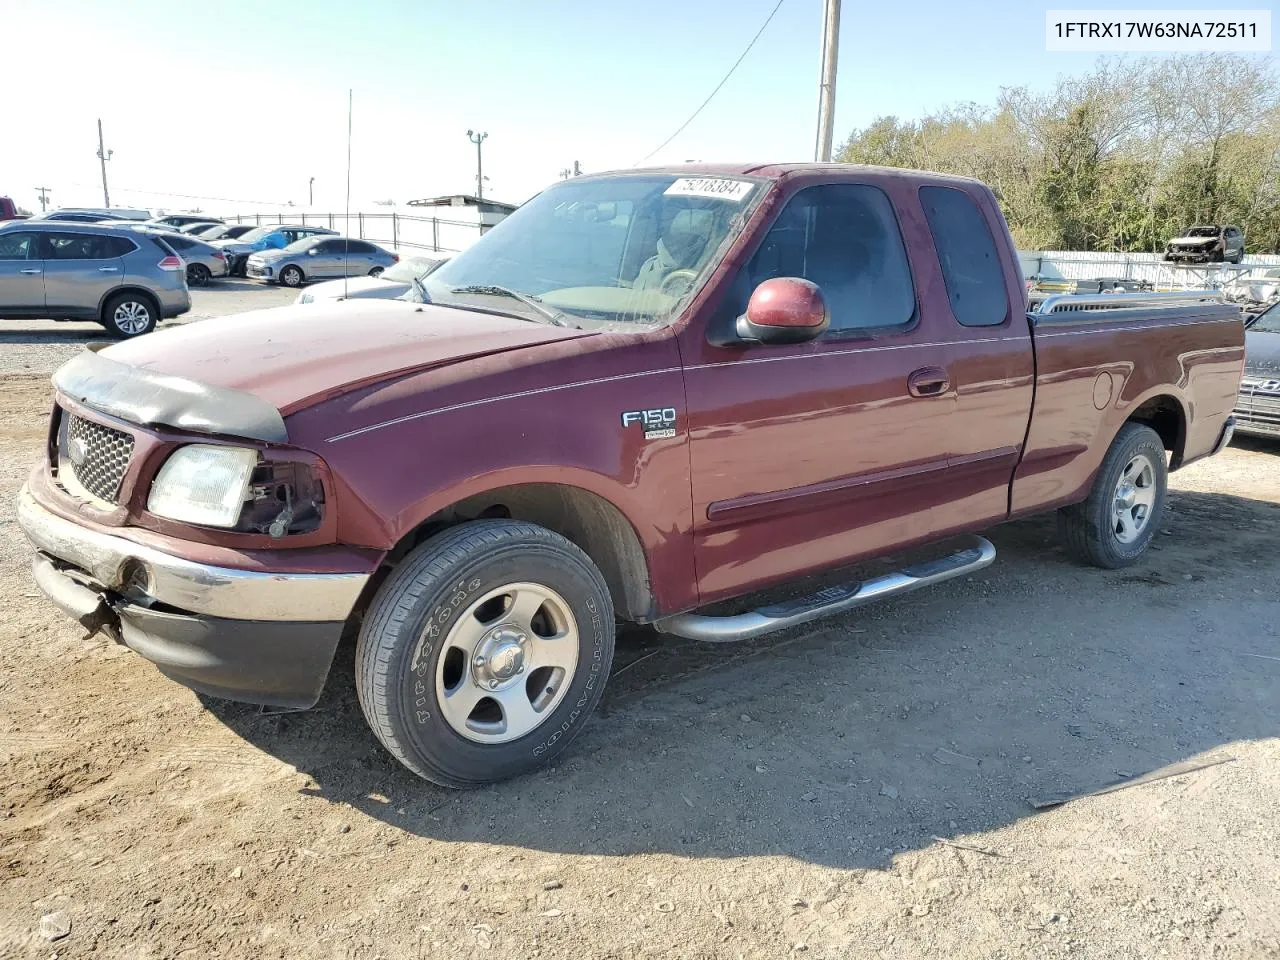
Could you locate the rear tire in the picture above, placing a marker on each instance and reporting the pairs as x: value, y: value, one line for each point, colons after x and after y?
x: 376, y: 272
x: 197, y: 274
x: 129, y: 315
x: 484, y: 652
x: 1124, y: 509
x: 291, y: 276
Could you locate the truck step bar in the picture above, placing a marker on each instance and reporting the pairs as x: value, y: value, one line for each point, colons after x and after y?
x: 755, y: 623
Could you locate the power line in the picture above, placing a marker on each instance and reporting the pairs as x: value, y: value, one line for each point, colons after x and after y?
x: 722, y: 82
x: 190, y: 196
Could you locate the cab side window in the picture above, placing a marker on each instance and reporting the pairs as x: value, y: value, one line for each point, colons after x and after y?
x: 968, y: 257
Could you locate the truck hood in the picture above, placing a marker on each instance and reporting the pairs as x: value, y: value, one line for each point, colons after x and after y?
x: 1262, y: 354
x: 291, y: 357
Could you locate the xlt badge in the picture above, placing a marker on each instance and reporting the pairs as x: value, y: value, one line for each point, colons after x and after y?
x: 659, y: 423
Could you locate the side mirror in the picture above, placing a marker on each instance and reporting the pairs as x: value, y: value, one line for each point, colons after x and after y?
x: 311, y: 252
x: 784, y: 310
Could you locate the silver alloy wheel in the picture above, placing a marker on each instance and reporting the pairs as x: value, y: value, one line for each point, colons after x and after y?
x: 507, y: 662
x: 291, y: 276
x: 1134, y: 499
x: 131, y: 317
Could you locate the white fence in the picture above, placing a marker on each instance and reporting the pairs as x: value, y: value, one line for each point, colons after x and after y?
x: 396, y: 231
x: 1073, y: 265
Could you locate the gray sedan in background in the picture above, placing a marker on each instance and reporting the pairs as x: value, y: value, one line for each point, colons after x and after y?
x: 203, y: 260
x: 391, y: 283
x: 319, y: 258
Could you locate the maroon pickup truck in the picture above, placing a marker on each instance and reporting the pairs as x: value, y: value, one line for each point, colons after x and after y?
x: 640, y: 394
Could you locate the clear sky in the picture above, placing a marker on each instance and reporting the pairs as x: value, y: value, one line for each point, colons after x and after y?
x: 247, y: 100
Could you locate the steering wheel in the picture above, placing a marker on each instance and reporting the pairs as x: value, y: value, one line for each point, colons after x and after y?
x: 678, y: 282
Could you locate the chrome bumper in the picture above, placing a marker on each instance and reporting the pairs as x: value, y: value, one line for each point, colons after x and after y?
x: 195, y: 587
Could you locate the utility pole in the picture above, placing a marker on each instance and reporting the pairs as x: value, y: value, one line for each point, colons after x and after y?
x: 44, y: 196
x: 311, y: 192
x: 103, y: 157
x: 477, y: 139
x: 827, y: 86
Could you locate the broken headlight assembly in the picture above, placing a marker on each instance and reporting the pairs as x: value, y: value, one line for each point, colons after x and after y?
x: 239, y: 489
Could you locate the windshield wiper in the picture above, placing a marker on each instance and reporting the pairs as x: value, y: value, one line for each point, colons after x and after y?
x: 489, y: 289
x: 421, y: 287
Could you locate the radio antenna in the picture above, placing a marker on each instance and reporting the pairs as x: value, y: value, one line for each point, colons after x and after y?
x: 346, y: 219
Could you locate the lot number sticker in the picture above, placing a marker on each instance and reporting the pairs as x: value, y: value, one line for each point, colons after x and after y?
x: 733, y: 190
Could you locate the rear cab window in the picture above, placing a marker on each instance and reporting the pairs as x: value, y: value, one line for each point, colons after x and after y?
x: 968, y: 256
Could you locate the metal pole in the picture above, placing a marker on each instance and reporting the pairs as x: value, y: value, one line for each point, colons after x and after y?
x: 827, y: 87
x: 103, y: 157
x: 395, y: 231
x: 311, y: 192
x: 477, y: 139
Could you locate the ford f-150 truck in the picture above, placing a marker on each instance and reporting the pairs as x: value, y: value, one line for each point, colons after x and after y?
x: 640, y: 394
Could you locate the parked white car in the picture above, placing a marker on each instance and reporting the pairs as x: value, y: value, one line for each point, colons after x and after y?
x: 393, y: 282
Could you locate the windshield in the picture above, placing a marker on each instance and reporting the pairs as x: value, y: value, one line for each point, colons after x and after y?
x: 407, y: 269
x: 1202, y: 232
x: 257, y: 234
x: 630, y: 248
x: 300, y: 246
x: 1268, y: 322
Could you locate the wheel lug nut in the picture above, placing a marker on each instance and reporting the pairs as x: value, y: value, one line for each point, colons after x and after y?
x: 493, y: 684
x: 479, y: 661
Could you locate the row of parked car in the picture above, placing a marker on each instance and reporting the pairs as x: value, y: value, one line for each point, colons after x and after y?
x: 128, y: 273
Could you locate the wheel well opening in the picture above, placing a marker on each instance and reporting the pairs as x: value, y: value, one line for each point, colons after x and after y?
x: 1164, y: 415
x: 589, y: 521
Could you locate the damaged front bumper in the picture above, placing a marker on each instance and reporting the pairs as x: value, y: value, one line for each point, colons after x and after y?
x: 260, y: 636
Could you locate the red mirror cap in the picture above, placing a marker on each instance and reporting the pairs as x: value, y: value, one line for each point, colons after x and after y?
x: 788, y: 302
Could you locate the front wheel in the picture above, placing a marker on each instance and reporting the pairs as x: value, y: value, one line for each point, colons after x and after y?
x: 291, y: 276
x: 485, y: 651
x: 1114, y: 526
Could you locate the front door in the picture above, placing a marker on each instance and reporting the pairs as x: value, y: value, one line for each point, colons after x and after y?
x: 21, y: 273
x: 810, y: 455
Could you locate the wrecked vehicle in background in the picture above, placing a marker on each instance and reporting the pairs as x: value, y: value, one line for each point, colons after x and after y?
x: 1207, y: 244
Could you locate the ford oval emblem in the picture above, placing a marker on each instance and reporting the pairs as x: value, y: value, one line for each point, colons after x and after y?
x: 78, y: 451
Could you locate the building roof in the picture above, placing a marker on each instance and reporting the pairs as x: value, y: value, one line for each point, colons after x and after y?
x: 462, y: 200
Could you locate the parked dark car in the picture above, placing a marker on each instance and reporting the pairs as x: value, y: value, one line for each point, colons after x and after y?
x: 1258, y: 408
x: 182, y: 220
x: 127, y: 280
x: 1207, y: 244
x: 639, y: 395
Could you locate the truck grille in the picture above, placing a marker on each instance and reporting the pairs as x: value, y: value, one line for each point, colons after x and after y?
x: 97, y: 456
x: 1258, y: 406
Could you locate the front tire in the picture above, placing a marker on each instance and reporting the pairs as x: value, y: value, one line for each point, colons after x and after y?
x: 1114, y: 526
x: 129, y: 315
x: 484, y: 652
x: 291, y: 276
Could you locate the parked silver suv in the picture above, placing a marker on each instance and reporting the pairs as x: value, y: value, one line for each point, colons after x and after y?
x: 124, y: 279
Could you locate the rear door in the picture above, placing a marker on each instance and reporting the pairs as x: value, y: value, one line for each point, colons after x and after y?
x: 80, y: 269
x: 357, y: 257
x: 21, y: 273
x: 989, y: 352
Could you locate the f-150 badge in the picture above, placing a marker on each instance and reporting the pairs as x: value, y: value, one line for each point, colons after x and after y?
x: 659, y: 423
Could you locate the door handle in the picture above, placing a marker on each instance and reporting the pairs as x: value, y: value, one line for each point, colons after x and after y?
x: 928, y: 382
x: 30, y: 270
x: 108, y: 269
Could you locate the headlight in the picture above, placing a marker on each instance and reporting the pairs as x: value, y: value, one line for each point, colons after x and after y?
x: 204, y: 484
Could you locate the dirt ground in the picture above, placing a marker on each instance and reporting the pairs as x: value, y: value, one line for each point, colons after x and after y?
x: 861, y: 787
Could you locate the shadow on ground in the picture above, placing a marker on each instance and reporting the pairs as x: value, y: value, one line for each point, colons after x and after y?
x: 845, y: 742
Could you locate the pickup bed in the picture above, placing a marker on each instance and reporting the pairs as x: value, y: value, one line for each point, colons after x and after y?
x: 640, y: 394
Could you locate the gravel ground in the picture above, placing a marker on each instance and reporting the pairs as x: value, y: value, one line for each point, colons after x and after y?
x: 862, y: 787
x: 41, y: 346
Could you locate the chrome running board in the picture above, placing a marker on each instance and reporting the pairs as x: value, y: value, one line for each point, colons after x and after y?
x: 747, y: 626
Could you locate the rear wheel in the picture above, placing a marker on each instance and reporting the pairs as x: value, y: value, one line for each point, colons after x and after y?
x: 1114, y: 526
x: 376, y: 272
x: 130, y: 315
x: 197, y: 274
x: 291, y: 276
x: 484, y: 653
